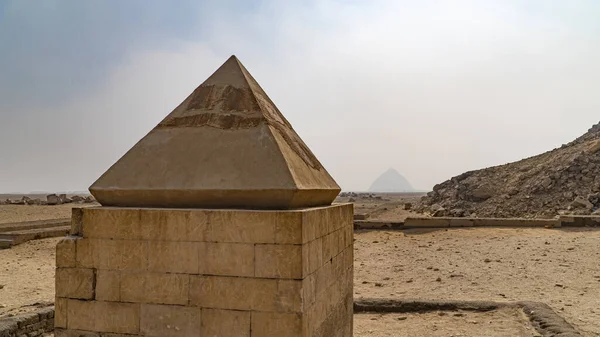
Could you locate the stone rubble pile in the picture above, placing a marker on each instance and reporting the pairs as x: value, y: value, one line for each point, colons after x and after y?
x: 563, y: 181
x: 51, y: 199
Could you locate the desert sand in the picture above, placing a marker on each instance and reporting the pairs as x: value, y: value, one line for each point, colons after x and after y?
x: 555, y: 266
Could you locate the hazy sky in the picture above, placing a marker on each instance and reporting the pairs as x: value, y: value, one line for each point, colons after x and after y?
x: 431, y: 88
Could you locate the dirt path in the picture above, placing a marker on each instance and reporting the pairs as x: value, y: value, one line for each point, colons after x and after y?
x: 557, y: 267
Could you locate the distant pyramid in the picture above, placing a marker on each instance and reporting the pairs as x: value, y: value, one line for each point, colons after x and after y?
x: 391, y: 181
x: 227, y: 145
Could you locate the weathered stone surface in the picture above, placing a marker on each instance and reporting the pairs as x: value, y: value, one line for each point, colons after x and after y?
x: 206, y: 272
x: 261, y: 162
x: 225, y: 323
x: 278, y: 261
x: 112, y: 254
x: 74, y: 333
x: 173, y: 257
x: 267, y: 324
x: 170, y: 321
x: 76, y: 220
x: 53, y: 199
x: 75, y: 283
x: 65, y: 253
x: 227, y: 259
x: 158, y: 288
x: 240, y: 293
x: 103, y: 316
x: 108, y: 285
x: 60, y: 312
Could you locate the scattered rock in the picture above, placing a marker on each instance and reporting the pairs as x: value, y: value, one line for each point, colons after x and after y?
x: 482, y: 192
x: 53, y: 199
x: 581, y: 202
x: 77, y: 198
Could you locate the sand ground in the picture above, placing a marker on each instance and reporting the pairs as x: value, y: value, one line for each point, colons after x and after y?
x: 500, y: 323
x: 555, y: 266
x: 17, y: 213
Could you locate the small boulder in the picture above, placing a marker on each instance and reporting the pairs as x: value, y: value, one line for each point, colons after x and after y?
x: 457, y: 212
x: 483, y: 192
x: 581, y: 202
x: 441, y: 211
x: 407, y: 206
x: 53, y: 199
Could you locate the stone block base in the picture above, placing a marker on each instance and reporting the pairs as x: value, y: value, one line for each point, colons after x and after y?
x: 199, y: 272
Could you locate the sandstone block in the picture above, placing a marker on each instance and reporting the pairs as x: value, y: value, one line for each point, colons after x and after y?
x: 74, y: 333
x: 76, y: 221
x: 312, y: 256
x: 225, y: 323
x: 227, y: 259
x: 108, y: 285
x: 103, y: 316
x: 289, y: 296
x: 174, y: 224
x: 60, y: 312
x: 170, y: 321
x: 173, y: 257
x: 84, y: 253
x: 75, y: 283
x: 327, y: 249
x: 242, y: 226
x: 268, y: 324
x: 155, y: 288
x: 309, y: 289
x: 111, y: 223
x: 65, y: 253
x: 239, y: 293
x: 128, y: 255
x: 288, y: 228
x: 310, y: 226
x: 324, y: 278
x: 278, y: 261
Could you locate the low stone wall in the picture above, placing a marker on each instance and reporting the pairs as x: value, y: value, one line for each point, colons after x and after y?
x: 448, y: 222
x: 36, y: 323
x: 542, y: 317
x: 579, y: 221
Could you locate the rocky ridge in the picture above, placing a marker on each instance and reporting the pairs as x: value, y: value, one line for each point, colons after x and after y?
x: 565, y: 180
